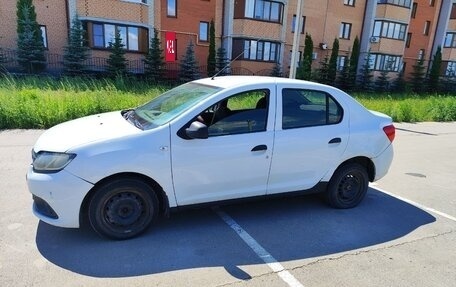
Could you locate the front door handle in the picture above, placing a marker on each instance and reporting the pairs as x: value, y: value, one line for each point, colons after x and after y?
x: 335, y: 140
x: 260, y: 147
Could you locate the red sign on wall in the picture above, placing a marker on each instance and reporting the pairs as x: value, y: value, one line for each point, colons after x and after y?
x: 170, y: 46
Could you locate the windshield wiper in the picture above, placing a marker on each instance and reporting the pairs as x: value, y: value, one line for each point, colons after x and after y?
x: 130, y: 115
x: 127, y: 113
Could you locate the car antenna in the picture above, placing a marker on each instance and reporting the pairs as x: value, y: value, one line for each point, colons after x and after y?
x: 232, y: 61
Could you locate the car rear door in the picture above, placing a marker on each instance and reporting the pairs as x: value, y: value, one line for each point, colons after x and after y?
x: 312, y: 131
x: 234, y: 161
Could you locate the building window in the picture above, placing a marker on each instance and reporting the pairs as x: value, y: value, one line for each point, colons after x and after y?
x: 341, y: 62
x: 421, y: 53
x: 293, y: 24
x: 427, y: 25
x: 44, y: 36
x: 453, y: 11
x: 450, y: 40
x: 389, y: 30
x: 133, y: 38
x: 298, y: 60
x: 381, y: 62
x: 345, y: 30
x: 270, y: 11
x: 171, y: 9
x: 402, y: 3
x: 450, y: 69
x: 203, y: 31
x: 431, y: 3
x: 414, y: 7
x: 136, y: 1
x: 256, y: 50
x: 349, y: 2
x: 408, y: 40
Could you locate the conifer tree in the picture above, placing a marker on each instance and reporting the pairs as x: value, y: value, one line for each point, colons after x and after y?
x: 189, y: 70
x: 2, y: 61
x: 30, y: 46
x: 434, y: 73
x: 76, y: 52
x: 418, y: 76
x: 277, y: 70
x: 364, y: 82
x: 322, y: 75
x: 222, y: 62
x: 211, y: 58
x: 117, y: 63
x: 343, y: 81
x: 448, y: 85
x: 154, y: 61
x: 353, y: 68
x: 332, y: 65
x: 399, y: 84
x: 2, y: 56
x: 382, y: 81
x: 304, y: 70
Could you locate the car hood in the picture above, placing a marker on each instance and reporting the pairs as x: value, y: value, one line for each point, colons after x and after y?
x: 71, y: 134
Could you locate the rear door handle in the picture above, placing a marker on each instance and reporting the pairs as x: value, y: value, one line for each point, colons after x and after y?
x: 260, y: 147
x: 335, y: 140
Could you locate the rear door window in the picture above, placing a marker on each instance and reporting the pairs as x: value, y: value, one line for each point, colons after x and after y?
x: 307, y: 108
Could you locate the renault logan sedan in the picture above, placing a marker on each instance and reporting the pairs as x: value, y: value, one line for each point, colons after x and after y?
x: 209, y: 140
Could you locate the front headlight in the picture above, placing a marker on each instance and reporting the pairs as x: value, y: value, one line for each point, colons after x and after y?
x: 45, y: 161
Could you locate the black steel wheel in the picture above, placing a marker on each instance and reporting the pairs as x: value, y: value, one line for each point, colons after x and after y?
x: 123, y: 208
x: 348, y: 186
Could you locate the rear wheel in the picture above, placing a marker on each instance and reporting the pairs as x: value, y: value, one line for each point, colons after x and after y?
x: 123, y: 208
x: 348, y: 186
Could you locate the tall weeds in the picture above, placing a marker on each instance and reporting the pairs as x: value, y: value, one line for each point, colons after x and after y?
x: 41, y: 102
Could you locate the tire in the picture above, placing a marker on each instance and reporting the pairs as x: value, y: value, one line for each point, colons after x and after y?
x: 123, y: 208
x: 347, y: 186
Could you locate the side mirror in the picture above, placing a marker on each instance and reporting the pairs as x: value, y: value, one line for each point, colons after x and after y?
x: 197, y: 130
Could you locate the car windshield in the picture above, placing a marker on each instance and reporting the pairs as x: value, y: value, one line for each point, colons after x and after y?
x: 171, y: 104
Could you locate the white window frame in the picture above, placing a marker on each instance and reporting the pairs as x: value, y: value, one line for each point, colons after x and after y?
x: 130, y: 39
x: 293, y: 24
x: 345, y: 30
x: 171, y: 11
x: 137, y: 1
x: 451, y: 69
x: 203, y: 32
x: 450, y: 40
x: 43, y: 30
x: 341, y: 62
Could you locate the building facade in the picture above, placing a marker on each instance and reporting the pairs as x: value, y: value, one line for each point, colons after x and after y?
x: 256, y: 34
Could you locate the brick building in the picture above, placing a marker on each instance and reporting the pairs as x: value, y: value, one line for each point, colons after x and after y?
x: 257, y: 33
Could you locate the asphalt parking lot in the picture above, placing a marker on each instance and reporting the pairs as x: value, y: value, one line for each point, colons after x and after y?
x: 403, y: 234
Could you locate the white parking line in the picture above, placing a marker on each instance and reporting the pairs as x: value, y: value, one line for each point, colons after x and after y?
x: 259, y: 250
x: 432, y: 210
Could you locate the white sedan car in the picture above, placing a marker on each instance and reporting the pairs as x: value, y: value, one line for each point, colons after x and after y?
x: 209, y: 140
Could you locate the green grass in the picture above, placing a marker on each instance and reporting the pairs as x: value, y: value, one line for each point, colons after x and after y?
x: 412, y: 107
x: 41, y: 102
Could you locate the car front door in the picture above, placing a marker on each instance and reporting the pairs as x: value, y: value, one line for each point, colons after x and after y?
x: 311, y: 135
x: 234, y: 160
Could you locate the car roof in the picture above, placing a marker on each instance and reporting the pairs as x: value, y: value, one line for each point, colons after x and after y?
x: 236, y: 81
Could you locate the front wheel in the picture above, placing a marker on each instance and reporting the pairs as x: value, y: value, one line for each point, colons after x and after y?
x: 348, y: 186
x: 123, y: 208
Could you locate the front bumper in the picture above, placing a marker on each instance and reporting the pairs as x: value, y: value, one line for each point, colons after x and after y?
x: 62, y: 194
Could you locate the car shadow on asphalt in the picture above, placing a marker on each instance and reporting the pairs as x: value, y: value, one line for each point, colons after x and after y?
x: 289, y: 228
